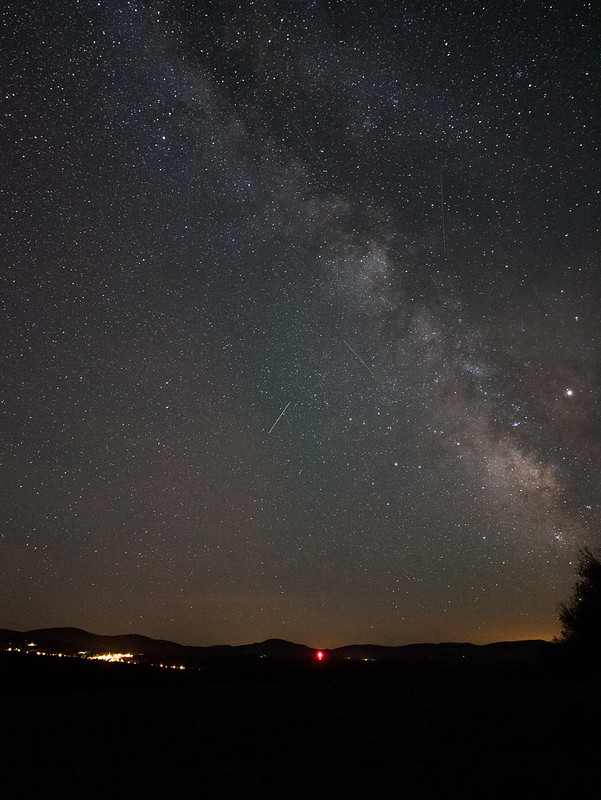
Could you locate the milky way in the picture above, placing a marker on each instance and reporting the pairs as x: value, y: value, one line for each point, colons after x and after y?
x: 300, y: 324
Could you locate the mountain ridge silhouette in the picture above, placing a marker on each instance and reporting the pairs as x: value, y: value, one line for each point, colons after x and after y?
x: 72, y: 640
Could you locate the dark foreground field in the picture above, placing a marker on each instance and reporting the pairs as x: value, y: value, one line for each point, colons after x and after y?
x: 88, y: 731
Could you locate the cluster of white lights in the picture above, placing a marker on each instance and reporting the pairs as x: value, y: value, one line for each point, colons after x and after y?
x: 123, y: 658
x: 112, y: 657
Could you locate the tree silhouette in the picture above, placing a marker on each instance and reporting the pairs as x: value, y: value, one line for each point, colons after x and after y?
x: 580, y: 617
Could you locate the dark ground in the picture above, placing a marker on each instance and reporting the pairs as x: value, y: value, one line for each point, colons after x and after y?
x: 80, y: 729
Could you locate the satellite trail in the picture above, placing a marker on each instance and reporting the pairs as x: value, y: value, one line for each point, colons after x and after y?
x: 359, y: 357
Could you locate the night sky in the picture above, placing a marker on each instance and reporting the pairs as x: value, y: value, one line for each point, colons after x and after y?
x: 300, y: 317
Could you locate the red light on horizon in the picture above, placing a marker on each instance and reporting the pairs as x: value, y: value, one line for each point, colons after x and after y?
x: 320, y: 655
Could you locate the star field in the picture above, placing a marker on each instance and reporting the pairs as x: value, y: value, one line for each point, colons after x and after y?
x: 300, y: 318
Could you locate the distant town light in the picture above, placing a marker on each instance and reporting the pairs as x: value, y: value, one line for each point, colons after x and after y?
x: 112, y: 657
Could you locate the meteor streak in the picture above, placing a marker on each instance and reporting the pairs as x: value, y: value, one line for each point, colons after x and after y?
x: 279, y: 418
